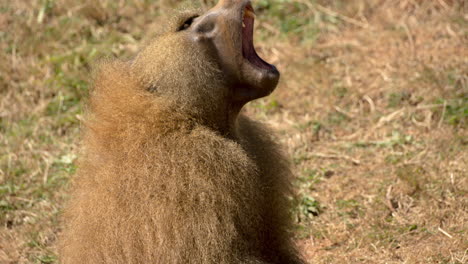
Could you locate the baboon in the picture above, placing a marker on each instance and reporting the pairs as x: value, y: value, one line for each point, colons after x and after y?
x: 171, y: 171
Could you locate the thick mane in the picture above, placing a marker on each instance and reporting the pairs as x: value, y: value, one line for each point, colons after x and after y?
x: 121, y: 110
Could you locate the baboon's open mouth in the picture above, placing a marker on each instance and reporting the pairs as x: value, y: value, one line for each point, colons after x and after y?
x: 248, y: 50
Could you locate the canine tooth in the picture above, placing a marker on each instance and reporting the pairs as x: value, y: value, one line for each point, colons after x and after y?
x: 249, y: 13
x: 243, y: 24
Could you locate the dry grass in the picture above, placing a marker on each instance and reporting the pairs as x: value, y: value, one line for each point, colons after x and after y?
x: 373, y: 106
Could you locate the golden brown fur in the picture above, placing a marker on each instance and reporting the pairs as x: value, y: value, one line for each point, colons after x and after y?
x: 169, y: 174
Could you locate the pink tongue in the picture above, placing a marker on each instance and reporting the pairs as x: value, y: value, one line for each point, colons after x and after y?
x: 248, y: 49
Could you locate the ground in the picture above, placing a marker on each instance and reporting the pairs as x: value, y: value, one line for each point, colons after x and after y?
x: 372, y: 108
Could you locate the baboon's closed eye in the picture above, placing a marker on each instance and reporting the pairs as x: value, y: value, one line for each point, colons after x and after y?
x: 187, y: 23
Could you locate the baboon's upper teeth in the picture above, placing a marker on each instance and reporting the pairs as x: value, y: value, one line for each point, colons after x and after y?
x: 243, y: 24
x: 249, y: 13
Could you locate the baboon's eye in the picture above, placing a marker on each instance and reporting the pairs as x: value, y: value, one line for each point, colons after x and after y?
x: 187, y: 23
